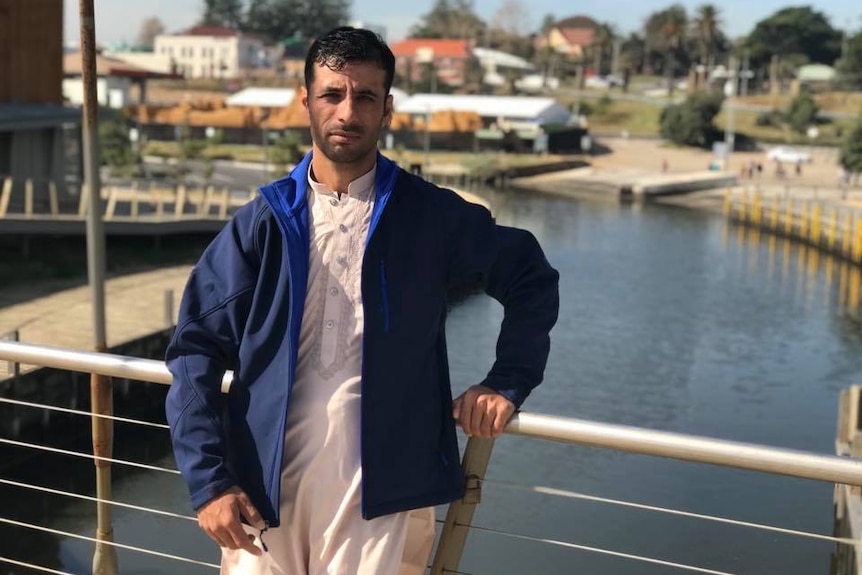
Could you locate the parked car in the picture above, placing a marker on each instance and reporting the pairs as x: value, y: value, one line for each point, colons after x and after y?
x: 788, y: 155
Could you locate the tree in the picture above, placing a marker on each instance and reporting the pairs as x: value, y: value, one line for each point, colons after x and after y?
x: 150, y: 28
x: 278, y: 20
x: 667, y: 32
x: 707, y: 31
x: 690, y: 123
x: 633, y: 52
x: 850, y: 65
x: 222, y: 13
x: 851, y: 149
x: 506, y: 30
x: 796, y: 30
x: 450, y: 20
x: 602, y: 46
x: 801, y: 113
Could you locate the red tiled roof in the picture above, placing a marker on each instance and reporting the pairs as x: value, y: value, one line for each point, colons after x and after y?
x: 442, y: 48
x: 204, y: 30
x: 578, y: 36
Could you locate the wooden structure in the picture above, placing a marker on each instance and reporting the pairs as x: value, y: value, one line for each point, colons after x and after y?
x: 31, y: 52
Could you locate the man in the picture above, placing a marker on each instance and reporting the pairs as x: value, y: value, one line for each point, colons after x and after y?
x: 327, y: 297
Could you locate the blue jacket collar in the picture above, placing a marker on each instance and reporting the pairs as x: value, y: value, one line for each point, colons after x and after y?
x: 286, y: 196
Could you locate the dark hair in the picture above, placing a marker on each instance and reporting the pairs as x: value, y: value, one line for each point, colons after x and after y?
x: 345, y: 45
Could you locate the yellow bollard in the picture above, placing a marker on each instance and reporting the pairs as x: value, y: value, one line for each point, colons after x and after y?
x: 856, y: 252
x: 727, y: 202
x: 814, y: 226
x: 742, y: 206
x: 845, y: 235
x: 831, y: 231
x: 756, y: 209
x: 803, y: 221
x: 774, y: 214
x: 788, y: 217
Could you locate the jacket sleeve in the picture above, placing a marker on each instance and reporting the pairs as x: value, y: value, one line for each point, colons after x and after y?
x: 205, y: 344
x: 513, y: 269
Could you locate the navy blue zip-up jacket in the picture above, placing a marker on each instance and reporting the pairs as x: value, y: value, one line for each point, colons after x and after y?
x: 242, y: 310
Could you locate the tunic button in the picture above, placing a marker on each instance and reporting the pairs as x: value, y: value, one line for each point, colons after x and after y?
x: 333, y: 201
x: 334, y: 291
x: 330, y: 324
x: 341, y: 261
x: 343, y: 228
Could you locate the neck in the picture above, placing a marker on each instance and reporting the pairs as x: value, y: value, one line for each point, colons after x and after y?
x: 338, y: 176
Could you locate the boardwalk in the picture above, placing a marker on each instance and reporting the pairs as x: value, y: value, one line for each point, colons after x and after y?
x: 135, y: 306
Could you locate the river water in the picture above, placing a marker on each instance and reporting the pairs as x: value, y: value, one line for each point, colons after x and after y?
x: 669, y: 320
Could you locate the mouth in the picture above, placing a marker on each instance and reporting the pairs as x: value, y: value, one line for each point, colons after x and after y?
x: 344, y: 135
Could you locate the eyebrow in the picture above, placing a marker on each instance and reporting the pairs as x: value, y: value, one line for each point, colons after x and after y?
x: 340, y: 89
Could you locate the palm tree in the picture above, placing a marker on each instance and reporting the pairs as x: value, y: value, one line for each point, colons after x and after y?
x: 667, y: 32
x: 707, y: 30
x: 601, y: 45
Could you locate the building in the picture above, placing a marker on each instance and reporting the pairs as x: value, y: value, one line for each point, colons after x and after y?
x: 211, y: 52
x: 447, y: 58
x: 570, y: 37
x: 39, y: 137
x: 499, y: 67
x: 114, y: 80
x: 500, y: 112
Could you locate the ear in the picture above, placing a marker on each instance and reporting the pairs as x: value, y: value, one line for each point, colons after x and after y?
x: 387, y: 111
x: 304, y: 95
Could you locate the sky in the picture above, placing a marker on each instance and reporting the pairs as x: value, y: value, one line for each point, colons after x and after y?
x: 120, y: 20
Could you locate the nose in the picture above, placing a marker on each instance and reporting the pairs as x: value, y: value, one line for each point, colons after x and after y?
x: 346, y: 110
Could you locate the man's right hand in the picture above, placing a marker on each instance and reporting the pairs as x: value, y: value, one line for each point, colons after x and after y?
x: 220, y: 519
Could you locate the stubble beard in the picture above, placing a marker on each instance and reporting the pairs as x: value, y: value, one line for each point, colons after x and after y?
x: 341, y: 154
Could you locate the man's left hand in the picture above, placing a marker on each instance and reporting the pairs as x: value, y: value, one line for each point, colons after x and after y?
x: 482, y: 412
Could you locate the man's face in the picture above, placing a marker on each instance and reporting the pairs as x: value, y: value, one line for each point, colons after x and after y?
x: 347, y: 110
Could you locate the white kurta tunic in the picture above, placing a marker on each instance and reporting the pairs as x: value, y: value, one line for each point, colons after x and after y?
x: 322, y: 530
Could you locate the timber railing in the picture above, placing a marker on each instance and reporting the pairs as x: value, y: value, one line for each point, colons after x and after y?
x: 459, y: 517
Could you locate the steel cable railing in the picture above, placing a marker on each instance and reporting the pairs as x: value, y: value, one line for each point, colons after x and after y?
x: 652, y: 442
x: 712, y: 518
x: 601, y: 551
x: 103, y: 542
x: 89, y: 456
x: 69, y: 494
x: 10, y: 561
x: 84, y: 413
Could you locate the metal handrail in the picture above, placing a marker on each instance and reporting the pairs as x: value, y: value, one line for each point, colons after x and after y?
x: 569, y: 430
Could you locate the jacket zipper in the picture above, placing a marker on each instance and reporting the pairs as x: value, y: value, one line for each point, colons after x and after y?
x: 262, y: 531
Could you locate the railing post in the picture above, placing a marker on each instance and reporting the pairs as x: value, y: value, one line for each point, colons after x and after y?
x: 102, y: 404
x: 13, y: 367
x: 460, y: 514
x: 169, y: 308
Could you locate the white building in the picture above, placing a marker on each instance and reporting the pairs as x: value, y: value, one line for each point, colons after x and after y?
x: 211, y: 52
x: 515, y: 112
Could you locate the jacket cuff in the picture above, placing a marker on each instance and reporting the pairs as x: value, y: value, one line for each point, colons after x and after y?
x: 508, y: 388
x: 209, y: 491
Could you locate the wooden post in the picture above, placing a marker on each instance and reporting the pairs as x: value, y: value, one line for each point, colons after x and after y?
x: 460, y: 513
x: 53, y: 199
x: 846, y: 233
x: 788, y: 217
x: 5, y: 195
x: 833, y: 227
x: 28, y: 198
x: 803, y: 220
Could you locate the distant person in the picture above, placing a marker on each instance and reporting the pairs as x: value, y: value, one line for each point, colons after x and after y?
x: 798, y: 169
x: 664, y: 166
x: 327, y: 297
